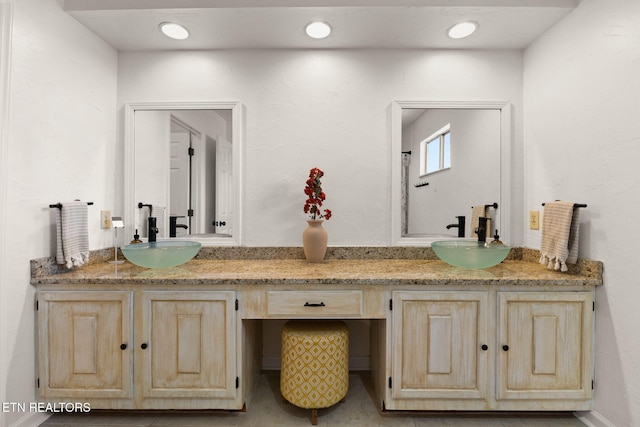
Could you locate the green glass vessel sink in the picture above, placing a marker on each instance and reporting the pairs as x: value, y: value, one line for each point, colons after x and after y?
x: 164, y: 254
x: 470, y: 254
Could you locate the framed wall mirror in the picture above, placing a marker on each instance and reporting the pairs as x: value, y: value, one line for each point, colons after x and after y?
x: 183, y: 167
x: 448, y: 157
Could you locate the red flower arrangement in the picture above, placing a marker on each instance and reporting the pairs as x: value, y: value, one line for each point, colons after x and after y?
x: 315, y: 195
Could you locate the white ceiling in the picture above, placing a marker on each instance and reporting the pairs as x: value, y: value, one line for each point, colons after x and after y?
x: 247, y: 24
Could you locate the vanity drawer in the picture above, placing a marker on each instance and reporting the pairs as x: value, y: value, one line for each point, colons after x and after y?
x: 314, y: 304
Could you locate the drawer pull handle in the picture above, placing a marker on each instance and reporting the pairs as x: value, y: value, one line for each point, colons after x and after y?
x: 505, y: 347
x: 144, y: 346
x: 314, y: 304
x: 123, y: 346
x: 484, y: 347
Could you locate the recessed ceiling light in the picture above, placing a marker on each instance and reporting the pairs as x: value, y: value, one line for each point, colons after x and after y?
x: 462, y: 30
x: 173, y: 30
x: 318, y: 30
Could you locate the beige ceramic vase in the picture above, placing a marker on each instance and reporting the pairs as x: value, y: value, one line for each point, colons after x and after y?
x: 314, y: 241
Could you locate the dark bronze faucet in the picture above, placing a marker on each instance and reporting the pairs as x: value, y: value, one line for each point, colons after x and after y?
x: 460, y: 225
x: 173, y: 225
x: 153, y: 228
x: 481, y: 231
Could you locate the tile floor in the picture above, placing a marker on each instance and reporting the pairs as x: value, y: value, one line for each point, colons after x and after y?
x: 268, y: 409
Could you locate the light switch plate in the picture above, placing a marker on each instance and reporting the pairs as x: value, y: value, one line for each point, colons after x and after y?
x: 534, y: 220
x: 105, y: 219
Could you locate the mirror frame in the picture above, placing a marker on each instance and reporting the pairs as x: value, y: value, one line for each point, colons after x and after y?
x: 396, y: 169
x: 130, y: 205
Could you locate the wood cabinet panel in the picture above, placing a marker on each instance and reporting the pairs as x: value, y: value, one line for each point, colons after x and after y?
x: 190, y: 344
x: 437, y: 345
x: 84, y: 340
x: 545, y: 341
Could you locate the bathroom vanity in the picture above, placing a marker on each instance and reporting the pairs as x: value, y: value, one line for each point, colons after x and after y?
x: 514, y: 337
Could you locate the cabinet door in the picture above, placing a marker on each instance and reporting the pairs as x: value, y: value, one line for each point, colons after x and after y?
x: 83, y: 344
x: 187, y: 345
x: 545, y: 345
x: 439, y: 347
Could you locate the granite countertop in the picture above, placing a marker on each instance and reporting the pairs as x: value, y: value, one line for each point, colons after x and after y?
x: 331, y: 271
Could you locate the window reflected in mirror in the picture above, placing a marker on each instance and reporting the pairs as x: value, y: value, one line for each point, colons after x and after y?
x: 435, y: 151
x: 450, y: 162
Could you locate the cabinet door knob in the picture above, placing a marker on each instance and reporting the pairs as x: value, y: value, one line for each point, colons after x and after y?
x: 123, y: 346
x: 144, y: 345
x: 505, y: 347
x: 485, y: 347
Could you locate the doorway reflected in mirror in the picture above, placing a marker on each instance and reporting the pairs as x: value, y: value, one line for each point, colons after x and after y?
x: 199, y: 152
x: 182, y: 161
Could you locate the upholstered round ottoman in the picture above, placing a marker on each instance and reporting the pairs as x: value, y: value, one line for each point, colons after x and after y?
x: 315, y: 364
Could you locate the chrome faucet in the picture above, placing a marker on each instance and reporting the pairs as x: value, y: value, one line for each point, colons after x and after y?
x: 153, y: 228
x: 481, y: 231
x: 460, y: 225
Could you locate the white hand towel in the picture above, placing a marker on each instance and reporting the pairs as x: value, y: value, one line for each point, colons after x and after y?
x: 476, y: 213
x: 72, y: 234
x: 560, y: 234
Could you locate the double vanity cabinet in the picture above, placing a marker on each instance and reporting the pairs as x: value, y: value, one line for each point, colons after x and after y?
x: 515, y: 337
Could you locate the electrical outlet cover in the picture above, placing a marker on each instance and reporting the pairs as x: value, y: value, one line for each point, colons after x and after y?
x: 105, y: 219
x: 534, y: 220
